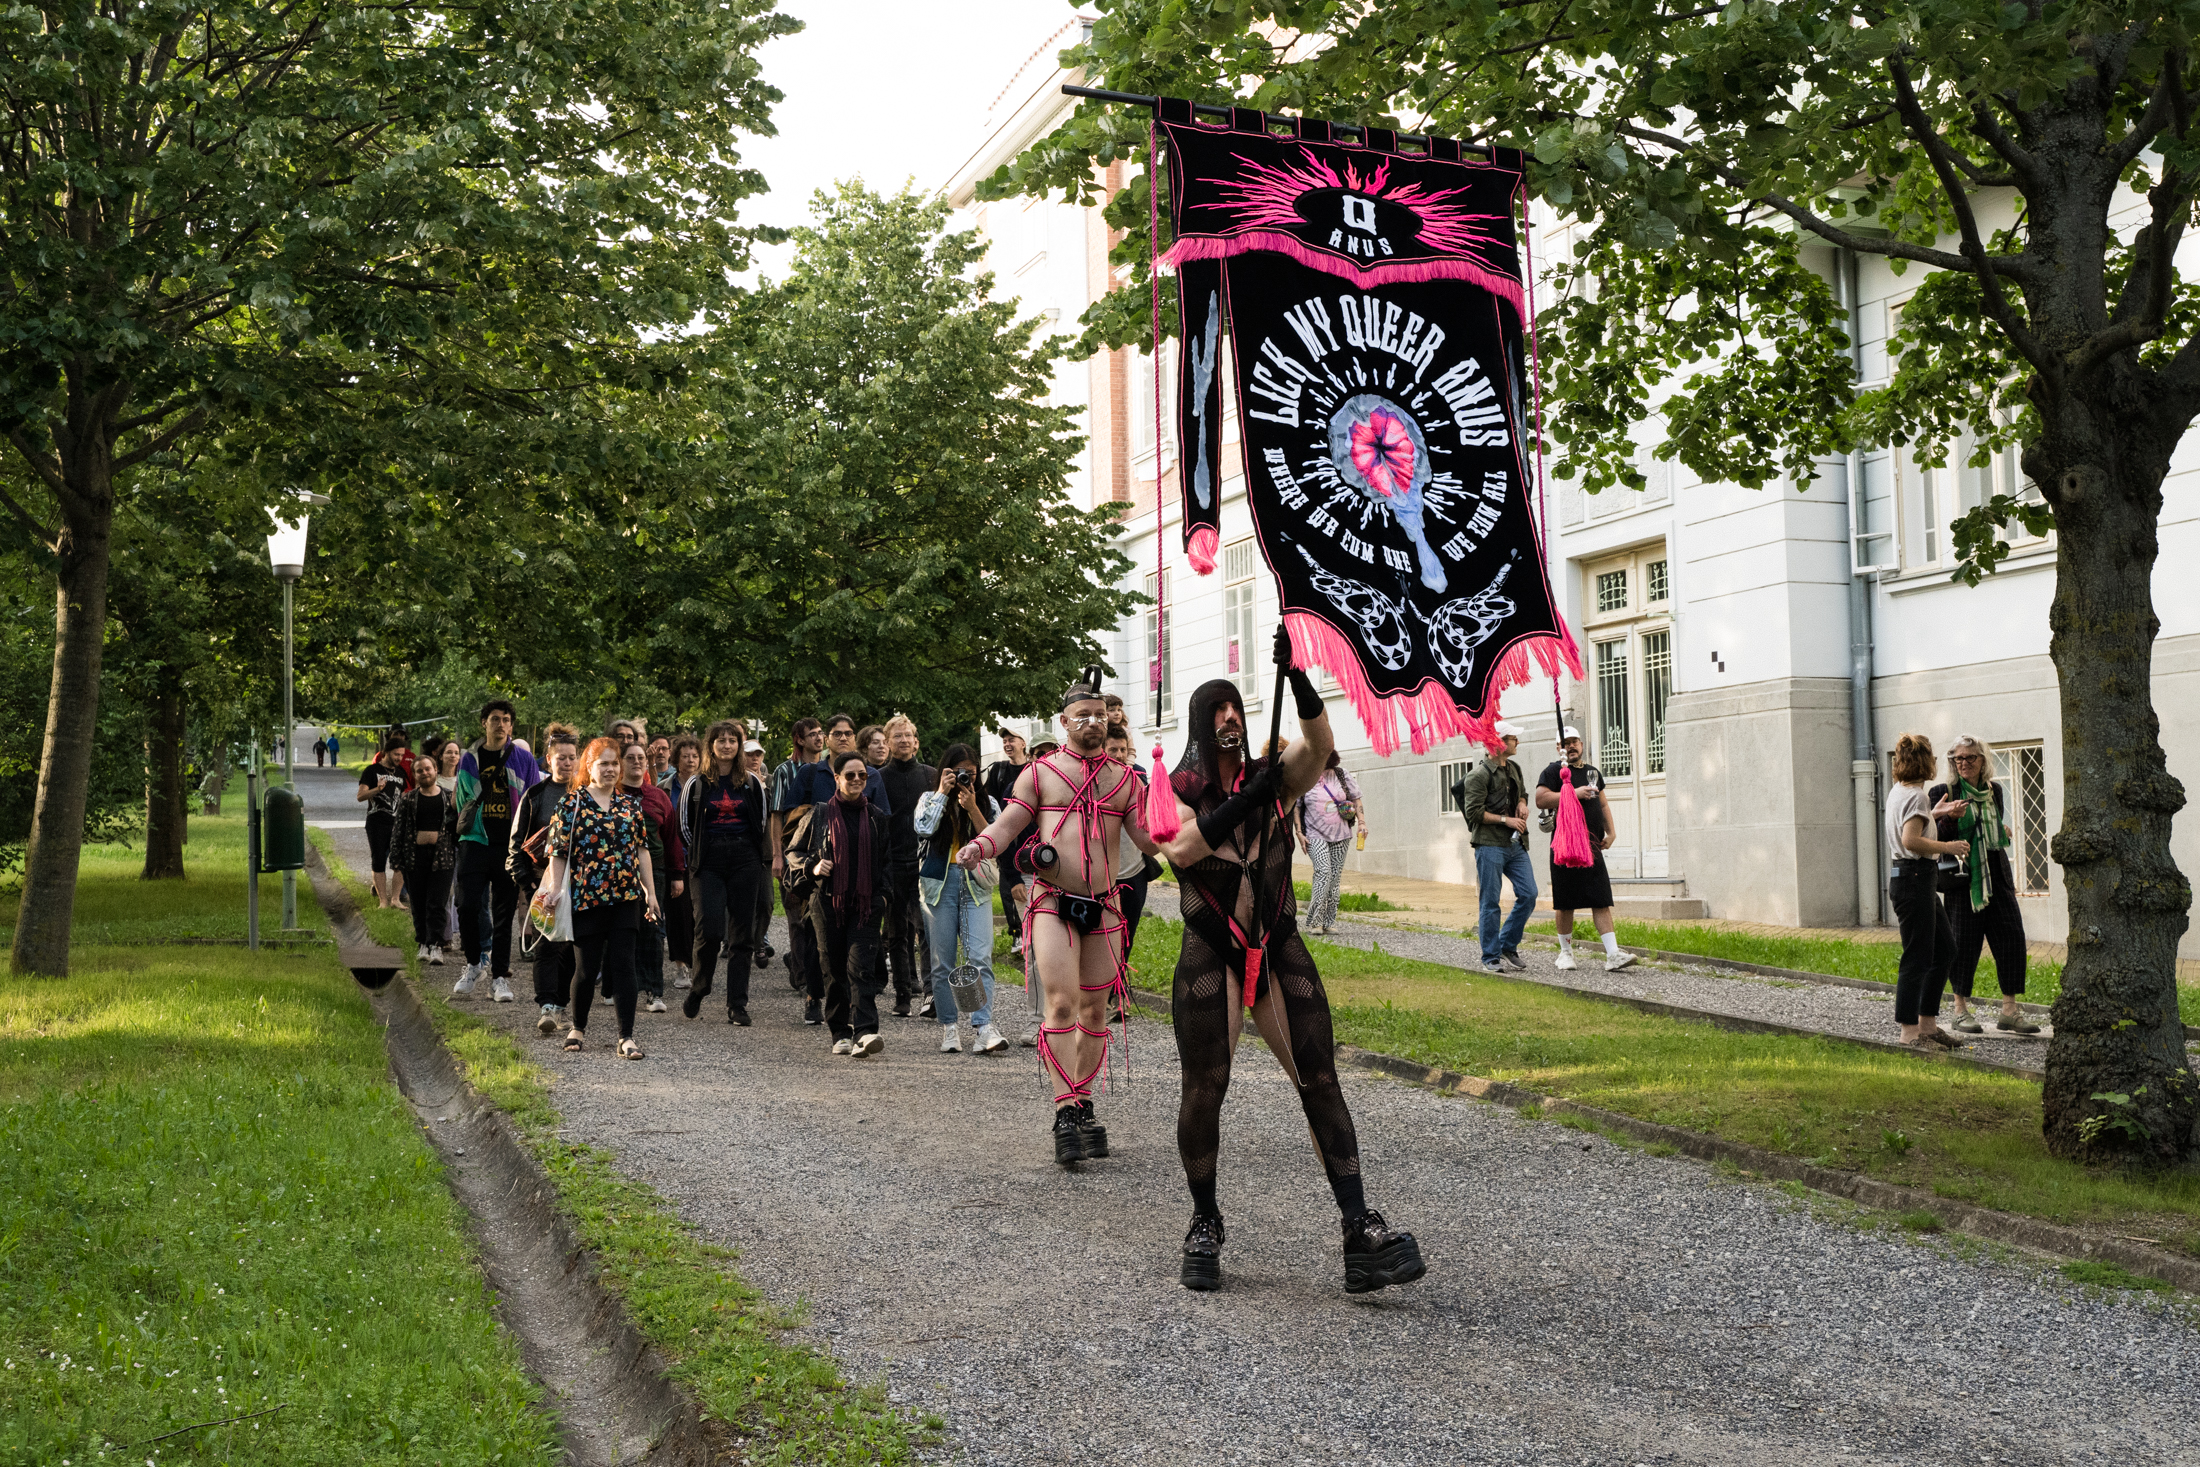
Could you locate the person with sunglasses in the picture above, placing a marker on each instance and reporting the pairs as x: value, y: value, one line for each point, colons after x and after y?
x: 844, y: 853
x: 1980, y: 893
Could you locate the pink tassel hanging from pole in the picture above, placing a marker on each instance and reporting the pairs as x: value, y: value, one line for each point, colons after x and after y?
x: 1161, y: 821
x: 1570, y: 841
x: 1201, y: 550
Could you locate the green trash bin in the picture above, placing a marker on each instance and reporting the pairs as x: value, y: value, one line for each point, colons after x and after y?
x: 282, y: 830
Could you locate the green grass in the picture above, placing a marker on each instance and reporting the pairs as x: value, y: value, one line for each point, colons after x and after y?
x: 114, y: 907
x: 728, y: 1344
x: 1350, y: 901
x: 213, y: 1203
x: 2095, y: 1274
x: 1966, y: 1134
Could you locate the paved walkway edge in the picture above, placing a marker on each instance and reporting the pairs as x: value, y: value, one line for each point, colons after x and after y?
x: 2000, y: 1227
x: 628, y: 1375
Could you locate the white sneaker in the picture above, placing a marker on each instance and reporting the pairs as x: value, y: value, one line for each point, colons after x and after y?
x: 464, y: 987
x: 680, y: 977
x: 989, y: 1040
x: 844, y: 1046
x: 1029, y: 1041
x: 867, y: 1044
x: 951, y: 1041
x: 1565, y: 963
x: 656, y: 1005
x: 500, y: 991
x: 1618, y: 961
x: 420, y: 954
x: 435, y: 956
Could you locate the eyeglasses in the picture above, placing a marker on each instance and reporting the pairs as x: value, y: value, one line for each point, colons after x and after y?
x: 1967, y: 758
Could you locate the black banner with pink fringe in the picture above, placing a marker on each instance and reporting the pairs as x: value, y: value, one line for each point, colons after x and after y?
x: 1375, y: 313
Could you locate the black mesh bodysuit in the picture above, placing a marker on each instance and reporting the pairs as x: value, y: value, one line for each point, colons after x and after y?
x: 1210, y: 976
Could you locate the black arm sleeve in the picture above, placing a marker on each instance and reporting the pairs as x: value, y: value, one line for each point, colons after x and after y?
x: 1216, y: 825
x: 1302, y: 688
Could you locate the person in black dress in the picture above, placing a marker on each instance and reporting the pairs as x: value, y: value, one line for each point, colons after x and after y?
x: 1590, y: 886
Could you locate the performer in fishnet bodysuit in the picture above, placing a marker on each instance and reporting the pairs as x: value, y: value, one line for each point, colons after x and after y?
x: 1233, y: 850
x: 1083, y: 802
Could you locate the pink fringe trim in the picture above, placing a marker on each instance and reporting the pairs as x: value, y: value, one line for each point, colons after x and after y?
x: 1199, y: 548
x: 1161, y: 821
x: 1570, y: 840
x: 1430, y: 715
x: 1208, y: 248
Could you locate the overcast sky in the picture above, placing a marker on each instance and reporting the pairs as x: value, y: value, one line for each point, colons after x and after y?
x: 885, y: 92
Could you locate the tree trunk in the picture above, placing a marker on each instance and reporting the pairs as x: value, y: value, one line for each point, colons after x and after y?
x: 72, y: 723
x: 2118, y: 1080
x: 167, y: 801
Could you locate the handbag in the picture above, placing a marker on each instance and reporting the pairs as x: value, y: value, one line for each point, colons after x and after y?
x: 556, y: 923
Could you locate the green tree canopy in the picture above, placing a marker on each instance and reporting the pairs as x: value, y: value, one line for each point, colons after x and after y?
x: 1712, y: 157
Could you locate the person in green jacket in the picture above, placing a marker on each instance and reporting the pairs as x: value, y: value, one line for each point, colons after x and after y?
x: 1494, y: 799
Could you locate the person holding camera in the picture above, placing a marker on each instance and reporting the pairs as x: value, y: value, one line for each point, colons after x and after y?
x: 958, y: 903
x: 1494, y: 799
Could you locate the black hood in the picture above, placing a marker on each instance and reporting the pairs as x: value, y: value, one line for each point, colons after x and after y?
x: 1199, y: 769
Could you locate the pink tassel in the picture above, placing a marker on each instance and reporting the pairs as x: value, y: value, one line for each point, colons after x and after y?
x: 1253, y: 956
x: 1161, y: 821
x: 1200, y: 549
x: 1430, y: 715
x: 1570, y: 842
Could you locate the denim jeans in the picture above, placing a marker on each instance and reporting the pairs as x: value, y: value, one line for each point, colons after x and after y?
x: 1494, y: 865
x: 962, y: 912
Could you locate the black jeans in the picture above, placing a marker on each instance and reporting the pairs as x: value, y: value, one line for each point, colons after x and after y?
x: 1999, y: 928
x: 725, y: 895
x: 481, y: 873
x: 431, y: 892
x: 605, y: 939
x: 802, y: 948
x: 762, y: 931
x: 649, y: 944
x: 380, y: 826
x: 554, y: 973
x: 1927, y: 946
x: 848, y: 952
x: 904, y: 925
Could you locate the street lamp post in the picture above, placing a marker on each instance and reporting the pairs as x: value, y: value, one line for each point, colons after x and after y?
x: 286, y: 551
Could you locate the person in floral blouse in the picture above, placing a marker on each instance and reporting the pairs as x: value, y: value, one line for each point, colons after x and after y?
x: 599, y: 842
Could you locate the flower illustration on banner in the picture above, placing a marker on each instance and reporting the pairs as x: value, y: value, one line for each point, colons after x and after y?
x: 1382, y: 451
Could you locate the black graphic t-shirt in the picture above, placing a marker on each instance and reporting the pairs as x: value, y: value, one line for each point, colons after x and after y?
x: 387, y: 785
x: 496, y: 796
x: 1589, y: 780
x: 725, y: 813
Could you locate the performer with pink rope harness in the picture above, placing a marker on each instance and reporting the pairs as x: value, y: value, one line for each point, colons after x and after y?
x: 1073, y: 922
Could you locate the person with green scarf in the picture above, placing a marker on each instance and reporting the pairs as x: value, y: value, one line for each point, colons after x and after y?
x: 1982, y: 898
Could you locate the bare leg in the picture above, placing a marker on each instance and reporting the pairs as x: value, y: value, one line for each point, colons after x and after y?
x: 1063, y: 960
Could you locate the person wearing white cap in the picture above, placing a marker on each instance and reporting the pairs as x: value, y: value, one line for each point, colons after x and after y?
x: 1494, y: 799
x: 1575, y: 887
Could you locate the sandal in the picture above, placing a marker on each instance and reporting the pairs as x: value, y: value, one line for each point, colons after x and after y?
x: 628, y: 1049
x: 575, y: 1042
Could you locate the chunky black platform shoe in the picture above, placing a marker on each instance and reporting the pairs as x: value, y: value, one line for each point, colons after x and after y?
x: 1095, y: 1134
x: 1202, y: 1254
x: 1069, y: 1136
x: 1376, y: 1255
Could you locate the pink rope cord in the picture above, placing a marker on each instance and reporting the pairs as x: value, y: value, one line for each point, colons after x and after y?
x: 1153, y: 271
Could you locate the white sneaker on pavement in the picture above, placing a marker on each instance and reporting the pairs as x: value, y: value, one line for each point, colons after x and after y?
x: 1029, y: 1041
x: 1565, y: 963
x: 435, y: 956
x: 500, y: 991
x: 421, y: 953
x: 868, y: 1044
x: 680, y: 976
x: 989, y: 1040
x: 464, y: 987
x: 1620, y: 960
x: 656, y: 1005
x: 950, y: 1039
x: 844, y: 1046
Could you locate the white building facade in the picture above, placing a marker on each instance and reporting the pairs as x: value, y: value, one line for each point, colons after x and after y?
x: 1730, y: 637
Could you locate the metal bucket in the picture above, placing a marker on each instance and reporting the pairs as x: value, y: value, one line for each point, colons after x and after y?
x: 967, y: 983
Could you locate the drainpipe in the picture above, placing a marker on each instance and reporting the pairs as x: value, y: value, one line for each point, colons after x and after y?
x: 1863, y: 760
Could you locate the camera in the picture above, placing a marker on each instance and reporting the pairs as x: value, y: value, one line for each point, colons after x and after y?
x: 963, y: 777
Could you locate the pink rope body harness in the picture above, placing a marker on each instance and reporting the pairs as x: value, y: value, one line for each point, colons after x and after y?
x: 1086, y: 799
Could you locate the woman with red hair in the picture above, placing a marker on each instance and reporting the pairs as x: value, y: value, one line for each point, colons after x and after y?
x: 599, y: 842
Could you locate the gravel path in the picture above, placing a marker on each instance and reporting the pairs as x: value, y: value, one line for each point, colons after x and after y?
x: 1585, y: 1303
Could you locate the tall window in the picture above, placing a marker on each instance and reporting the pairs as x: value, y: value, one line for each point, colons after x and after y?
x: 1614, y: 753
x: 1657, y: 691
x: 1448, y: 775
x: 1655, y: 590
x: 1872, y: 510
x: 2023, y: 771
x: 1241, y: 644
x: 1612, y: 590
x: 1160, y: 652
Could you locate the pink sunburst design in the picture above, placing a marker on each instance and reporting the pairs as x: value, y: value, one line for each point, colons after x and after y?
x: 1267, y: 197
x: 1382, y: 451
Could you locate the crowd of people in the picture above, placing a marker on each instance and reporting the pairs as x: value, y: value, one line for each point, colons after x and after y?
x: 643, y: 862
